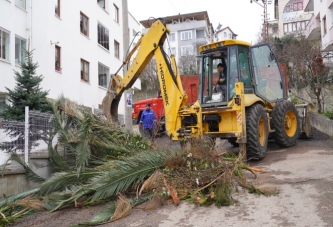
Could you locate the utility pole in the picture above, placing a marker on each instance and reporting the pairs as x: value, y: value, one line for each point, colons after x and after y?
x: 265, y: 24
x: 127, y: 93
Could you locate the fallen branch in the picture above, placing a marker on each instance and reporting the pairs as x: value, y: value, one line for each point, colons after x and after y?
x: 257, y: 170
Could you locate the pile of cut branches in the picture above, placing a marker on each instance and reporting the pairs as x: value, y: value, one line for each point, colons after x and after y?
x: 98, y: 162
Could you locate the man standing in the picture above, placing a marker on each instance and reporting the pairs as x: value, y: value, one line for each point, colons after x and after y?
x: 148, y: 119
x: 222, y: 81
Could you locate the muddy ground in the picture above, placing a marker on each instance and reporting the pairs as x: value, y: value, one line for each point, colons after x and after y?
x: 303, y: 174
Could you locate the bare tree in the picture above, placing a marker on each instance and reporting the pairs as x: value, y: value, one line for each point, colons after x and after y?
x: 188, y: 63
x: 149, y: 80
x: 306, y: 68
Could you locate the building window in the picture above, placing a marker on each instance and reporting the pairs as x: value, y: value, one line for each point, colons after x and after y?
x: 20, y: 46
x: 187, y: 50
x: 103, y: 36
x: 101, y: 3
x: 116, y: 14
x: 116, y: 49
x: 294, y: 26
x: 275, y: 30
x: 225, y: 34
x: 172, y: 37
x: 57, y: 58
x: 20, y: 3
x: 103, y: 75
x: 324, y: 25
x: 4, y: 45
x: 84, y: 24
x: 186, y: 35
x: 57, y: 8
x: 293, y: 5
x: 229, y: 35
x: 84, y: 70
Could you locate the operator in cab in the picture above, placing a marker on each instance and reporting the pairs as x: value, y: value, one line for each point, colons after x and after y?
x: 222, y: 80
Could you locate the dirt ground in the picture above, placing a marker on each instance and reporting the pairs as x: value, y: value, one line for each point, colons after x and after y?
x: 303, y: 174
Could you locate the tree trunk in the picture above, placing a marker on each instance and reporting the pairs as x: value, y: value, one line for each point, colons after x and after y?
x: 318, y: 94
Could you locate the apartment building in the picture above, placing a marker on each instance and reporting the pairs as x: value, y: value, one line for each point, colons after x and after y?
x: 321, y: 23
x: 224, y: 33
x: 290, y: 16
x: 76, y: 43
x: 188, y: 32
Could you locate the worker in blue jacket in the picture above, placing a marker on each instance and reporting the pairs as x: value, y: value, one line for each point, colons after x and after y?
x: 148, y: 119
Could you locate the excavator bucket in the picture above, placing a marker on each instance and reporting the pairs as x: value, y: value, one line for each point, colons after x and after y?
x: 111, y: 101
x: 305, y: 125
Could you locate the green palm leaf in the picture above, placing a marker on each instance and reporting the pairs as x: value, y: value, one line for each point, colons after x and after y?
x: 17, y: 197
x: 101, y: 217
x: 124, y: 174
x: 60, y: 181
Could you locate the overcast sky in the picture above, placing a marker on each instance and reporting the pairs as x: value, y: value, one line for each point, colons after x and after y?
x: 244, y: 19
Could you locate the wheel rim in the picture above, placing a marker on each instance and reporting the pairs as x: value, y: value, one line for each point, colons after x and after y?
x: 290, y: 123
x: 262, y: 131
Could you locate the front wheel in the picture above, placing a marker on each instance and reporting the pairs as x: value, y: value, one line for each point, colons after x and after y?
x: 256, y: 132
x: 285, y: 123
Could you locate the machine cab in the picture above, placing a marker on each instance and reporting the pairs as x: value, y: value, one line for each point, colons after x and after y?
x: 255, y: 66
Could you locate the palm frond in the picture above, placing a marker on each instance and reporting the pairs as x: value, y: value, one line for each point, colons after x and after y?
x: 109, y: 211
x: 124, y: 175
x: 17, y: 197
x: 30, y: 175
x: 61, y: 180
x: 31, y: 202
x: 101, y: 217
x: 56, y: 160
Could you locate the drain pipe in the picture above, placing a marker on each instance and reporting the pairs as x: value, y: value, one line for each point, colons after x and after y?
x: 29, y: 26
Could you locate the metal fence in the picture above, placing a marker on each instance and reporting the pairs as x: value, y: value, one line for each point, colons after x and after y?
x: 14, y: 137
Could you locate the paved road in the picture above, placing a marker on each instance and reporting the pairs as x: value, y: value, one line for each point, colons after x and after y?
x: 303, y: 175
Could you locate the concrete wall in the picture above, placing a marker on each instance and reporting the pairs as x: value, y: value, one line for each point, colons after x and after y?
x: 14, y: 180
x: 321, y: 123
x: 327, y: 94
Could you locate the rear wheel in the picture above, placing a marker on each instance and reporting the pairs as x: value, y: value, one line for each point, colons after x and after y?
x: 256, y: 132
x: 285, y: 124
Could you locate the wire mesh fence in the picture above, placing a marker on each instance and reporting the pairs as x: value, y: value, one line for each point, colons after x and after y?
x: 13, y: 132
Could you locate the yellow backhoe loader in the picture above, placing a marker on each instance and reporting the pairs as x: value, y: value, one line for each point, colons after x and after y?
x: 253, y: 107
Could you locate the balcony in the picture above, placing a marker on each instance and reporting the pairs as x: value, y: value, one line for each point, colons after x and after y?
x: 313, y: 28
x: 327, y: 41
x: 309, y: 6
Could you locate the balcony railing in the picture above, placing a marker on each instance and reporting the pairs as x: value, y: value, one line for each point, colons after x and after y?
x: 313, y: 28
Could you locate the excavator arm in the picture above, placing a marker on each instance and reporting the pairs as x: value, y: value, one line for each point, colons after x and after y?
x: 174, y: 97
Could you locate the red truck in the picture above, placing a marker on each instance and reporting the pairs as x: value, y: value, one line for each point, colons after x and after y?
x: 190, y: 84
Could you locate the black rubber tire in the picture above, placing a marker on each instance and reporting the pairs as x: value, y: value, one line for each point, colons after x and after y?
x: 280, y: 115
x: 233, y: 142
x: 257, y: 141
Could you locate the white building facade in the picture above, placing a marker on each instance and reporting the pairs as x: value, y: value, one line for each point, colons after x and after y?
x: 321, y: 23
x: 188, y: 32
x: 225, y: 33
x: 76, y: 43
x: 290, y: 17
